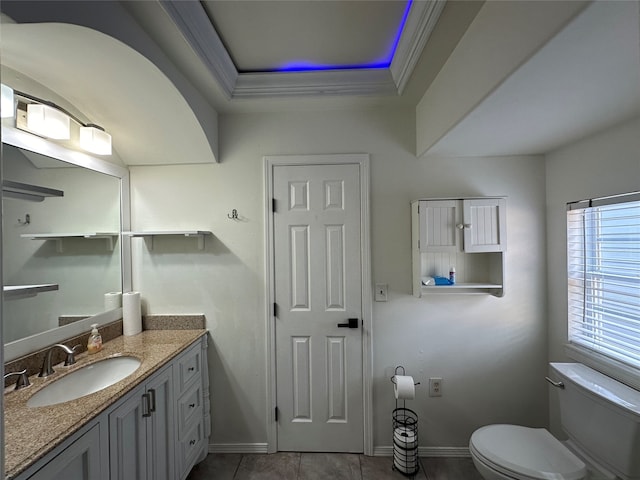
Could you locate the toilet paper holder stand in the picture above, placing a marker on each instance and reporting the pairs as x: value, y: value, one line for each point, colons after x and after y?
x: 405, y: 435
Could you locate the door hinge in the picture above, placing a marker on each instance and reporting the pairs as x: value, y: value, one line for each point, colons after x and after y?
x: 276, y: 413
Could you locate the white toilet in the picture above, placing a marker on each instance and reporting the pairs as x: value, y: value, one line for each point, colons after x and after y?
x: 602, y: 419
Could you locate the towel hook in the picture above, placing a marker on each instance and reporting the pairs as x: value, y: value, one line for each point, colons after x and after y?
x: 26, y: 221
x: 234, y: 214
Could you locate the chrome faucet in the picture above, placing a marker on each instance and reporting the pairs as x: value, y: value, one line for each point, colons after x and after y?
x: 47, y: 369
x: 23, y: 379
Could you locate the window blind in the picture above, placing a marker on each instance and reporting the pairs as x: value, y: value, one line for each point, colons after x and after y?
x: 603, y: 254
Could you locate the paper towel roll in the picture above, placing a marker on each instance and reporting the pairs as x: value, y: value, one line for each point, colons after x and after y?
x: 131, y: 313
x: 112, y: 300
x: 403, y: 387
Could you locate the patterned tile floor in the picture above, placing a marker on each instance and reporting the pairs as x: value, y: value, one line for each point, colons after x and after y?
x: 325, y: 466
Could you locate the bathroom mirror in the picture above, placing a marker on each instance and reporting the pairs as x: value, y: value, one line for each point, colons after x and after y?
x: 63, y: 253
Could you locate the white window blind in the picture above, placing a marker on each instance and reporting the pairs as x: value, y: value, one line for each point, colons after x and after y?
x: 603, y: 253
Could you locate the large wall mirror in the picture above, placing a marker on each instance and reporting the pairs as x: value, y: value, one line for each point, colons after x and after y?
x: 63, y: 254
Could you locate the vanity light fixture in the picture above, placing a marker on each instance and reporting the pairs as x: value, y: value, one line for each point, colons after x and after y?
x: 48, y: 121
x: 94, y: 139
x: 7, y: 107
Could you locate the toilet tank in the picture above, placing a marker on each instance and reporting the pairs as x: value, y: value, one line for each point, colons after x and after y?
x: 602, y: 416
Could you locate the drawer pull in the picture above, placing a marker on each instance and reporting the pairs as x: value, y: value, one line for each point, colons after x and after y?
x: 152, y: 400
x: 146, y: 412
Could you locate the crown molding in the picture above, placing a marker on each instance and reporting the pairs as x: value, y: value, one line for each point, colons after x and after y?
x: 421, y: 21
x: 196, y: 27
x: 194, y: 24
x: 323, y: 82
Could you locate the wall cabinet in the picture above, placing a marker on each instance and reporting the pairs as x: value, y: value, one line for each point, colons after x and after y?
x: 157, y: 431
x: 466, y: 233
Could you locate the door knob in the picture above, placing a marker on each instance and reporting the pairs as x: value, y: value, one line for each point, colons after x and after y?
x: 352, y: 323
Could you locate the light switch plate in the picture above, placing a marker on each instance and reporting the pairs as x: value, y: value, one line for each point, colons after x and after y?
x: 381, y: 292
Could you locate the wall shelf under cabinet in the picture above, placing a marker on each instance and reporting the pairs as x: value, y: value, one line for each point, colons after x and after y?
x: 16, y: 291
x: 484, y: 288
x: 110, y: 238
x: 150, y: 234
x: 25, y: 191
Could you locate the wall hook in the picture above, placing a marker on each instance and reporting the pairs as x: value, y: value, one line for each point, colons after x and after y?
x: 234, y: 214
x: 26, y: 221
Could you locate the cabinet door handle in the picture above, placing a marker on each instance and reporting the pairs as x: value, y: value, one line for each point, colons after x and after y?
x: 152, y: 399
x: 192, y: 405
x: 191, y: 369
x: 146, y: 407
x: 192, y: 442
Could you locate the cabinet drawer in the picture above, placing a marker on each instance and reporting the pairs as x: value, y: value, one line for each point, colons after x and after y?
x: 190, y: 447
x: 189, y: 408
x: 189, y: 368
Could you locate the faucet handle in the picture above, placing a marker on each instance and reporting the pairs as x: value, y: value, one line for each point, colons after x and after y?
x: 71, y: 359
x: 23, y: 379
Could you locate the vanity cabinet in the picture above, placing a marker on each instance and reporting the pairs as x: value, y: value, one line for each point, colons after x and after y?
x: 81, y: 458
x: 468, y: 234
x: 190, y: 420
x: 158, y: 430
x: 141, y: 433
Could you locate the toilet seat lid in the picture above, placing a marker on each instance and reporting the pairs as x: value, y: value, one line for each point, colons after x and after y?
x: 532, y: 452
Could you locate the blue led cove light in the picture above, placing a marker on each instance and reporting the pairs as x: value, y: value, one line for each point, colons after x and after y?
x: 383, y: 62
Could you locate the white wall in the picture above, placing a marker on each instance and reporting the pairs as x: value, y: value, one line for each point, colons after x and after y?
x: 607, y: 163
x: 491, y: 352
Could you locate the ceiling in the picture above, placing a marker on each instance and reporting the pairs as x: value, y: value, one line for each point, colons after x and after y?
x: 277, y: 36
x: 585, y: 79
x: 235, y: 55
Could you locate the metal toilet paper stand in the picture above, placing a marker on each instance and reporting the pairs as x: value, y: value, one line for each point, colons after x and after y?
x: 405, y: 435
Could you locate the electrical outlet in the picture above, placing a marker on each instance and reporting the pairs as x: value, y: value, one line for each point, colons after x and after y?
x: 435, y: 387
x: 381, y: 292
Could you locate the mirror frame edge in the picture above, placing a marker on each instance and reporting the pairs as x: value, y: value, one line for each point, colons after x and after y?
x: 20, y: 139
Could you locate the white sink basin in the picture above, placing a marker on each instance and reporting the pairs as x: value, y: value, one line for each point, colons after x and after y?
x: 88, y: 379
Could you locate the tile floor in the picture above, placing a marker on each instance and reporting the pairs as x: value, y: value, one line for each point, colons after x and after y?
x: 325, y: 466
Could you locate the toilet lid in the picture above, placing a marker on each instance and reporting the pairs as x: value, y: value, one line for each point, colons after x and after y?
x: 532, y: 452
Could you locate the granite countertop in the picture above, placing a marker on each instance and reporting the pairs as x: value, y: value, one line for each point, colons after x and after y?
x: 30, y: 433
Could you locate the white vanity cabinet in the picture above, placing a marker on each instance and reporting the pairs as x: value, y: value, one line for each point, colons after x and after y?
x: 191, y: 434
x: 157, y: 431
x: 141, y: 433
x: 468, y: 234
x: 80, y: 458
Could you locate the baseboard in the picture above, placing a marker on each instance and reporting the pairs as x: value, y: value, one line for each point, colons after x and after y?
x: 237, y: 448
x: 383, y: 451
x: 426, y: 452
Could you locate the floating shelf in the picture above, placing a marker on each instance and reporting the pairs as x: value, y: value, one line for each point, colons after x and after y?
x: 58, y: 237
x: 25, y: 191
x: 199, y: 234
x: 493, y: 288
x: 14, y: 291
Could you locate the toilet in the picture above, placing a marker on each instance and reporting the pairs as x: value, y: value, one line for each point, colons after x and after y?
x: 600, y: 416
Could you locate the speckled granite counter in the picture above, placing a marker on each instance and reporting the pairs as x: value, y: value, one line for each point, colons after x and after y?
x: 30, y: 433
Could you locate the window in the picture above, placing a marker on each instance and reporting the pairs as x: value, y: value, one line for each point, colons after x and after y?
x: 603, y: 257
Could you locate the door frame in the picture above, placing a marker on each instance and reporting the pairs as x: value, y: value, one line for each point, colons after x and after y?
x: 362, y: 160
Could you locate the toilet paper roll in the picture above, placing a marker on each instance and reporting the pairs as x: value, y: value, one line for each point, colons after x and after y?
x: 112, y: 300
x: 405, y: 438
x: 403, y: 387
x: 131, y: 313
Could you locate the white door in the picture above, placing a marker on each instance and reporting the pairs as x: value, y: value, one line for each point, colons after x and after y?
x: 318, y: 284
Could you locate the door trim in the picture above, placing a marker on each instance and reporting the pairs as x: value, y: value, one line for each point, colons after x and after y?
x: 362, y: 160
